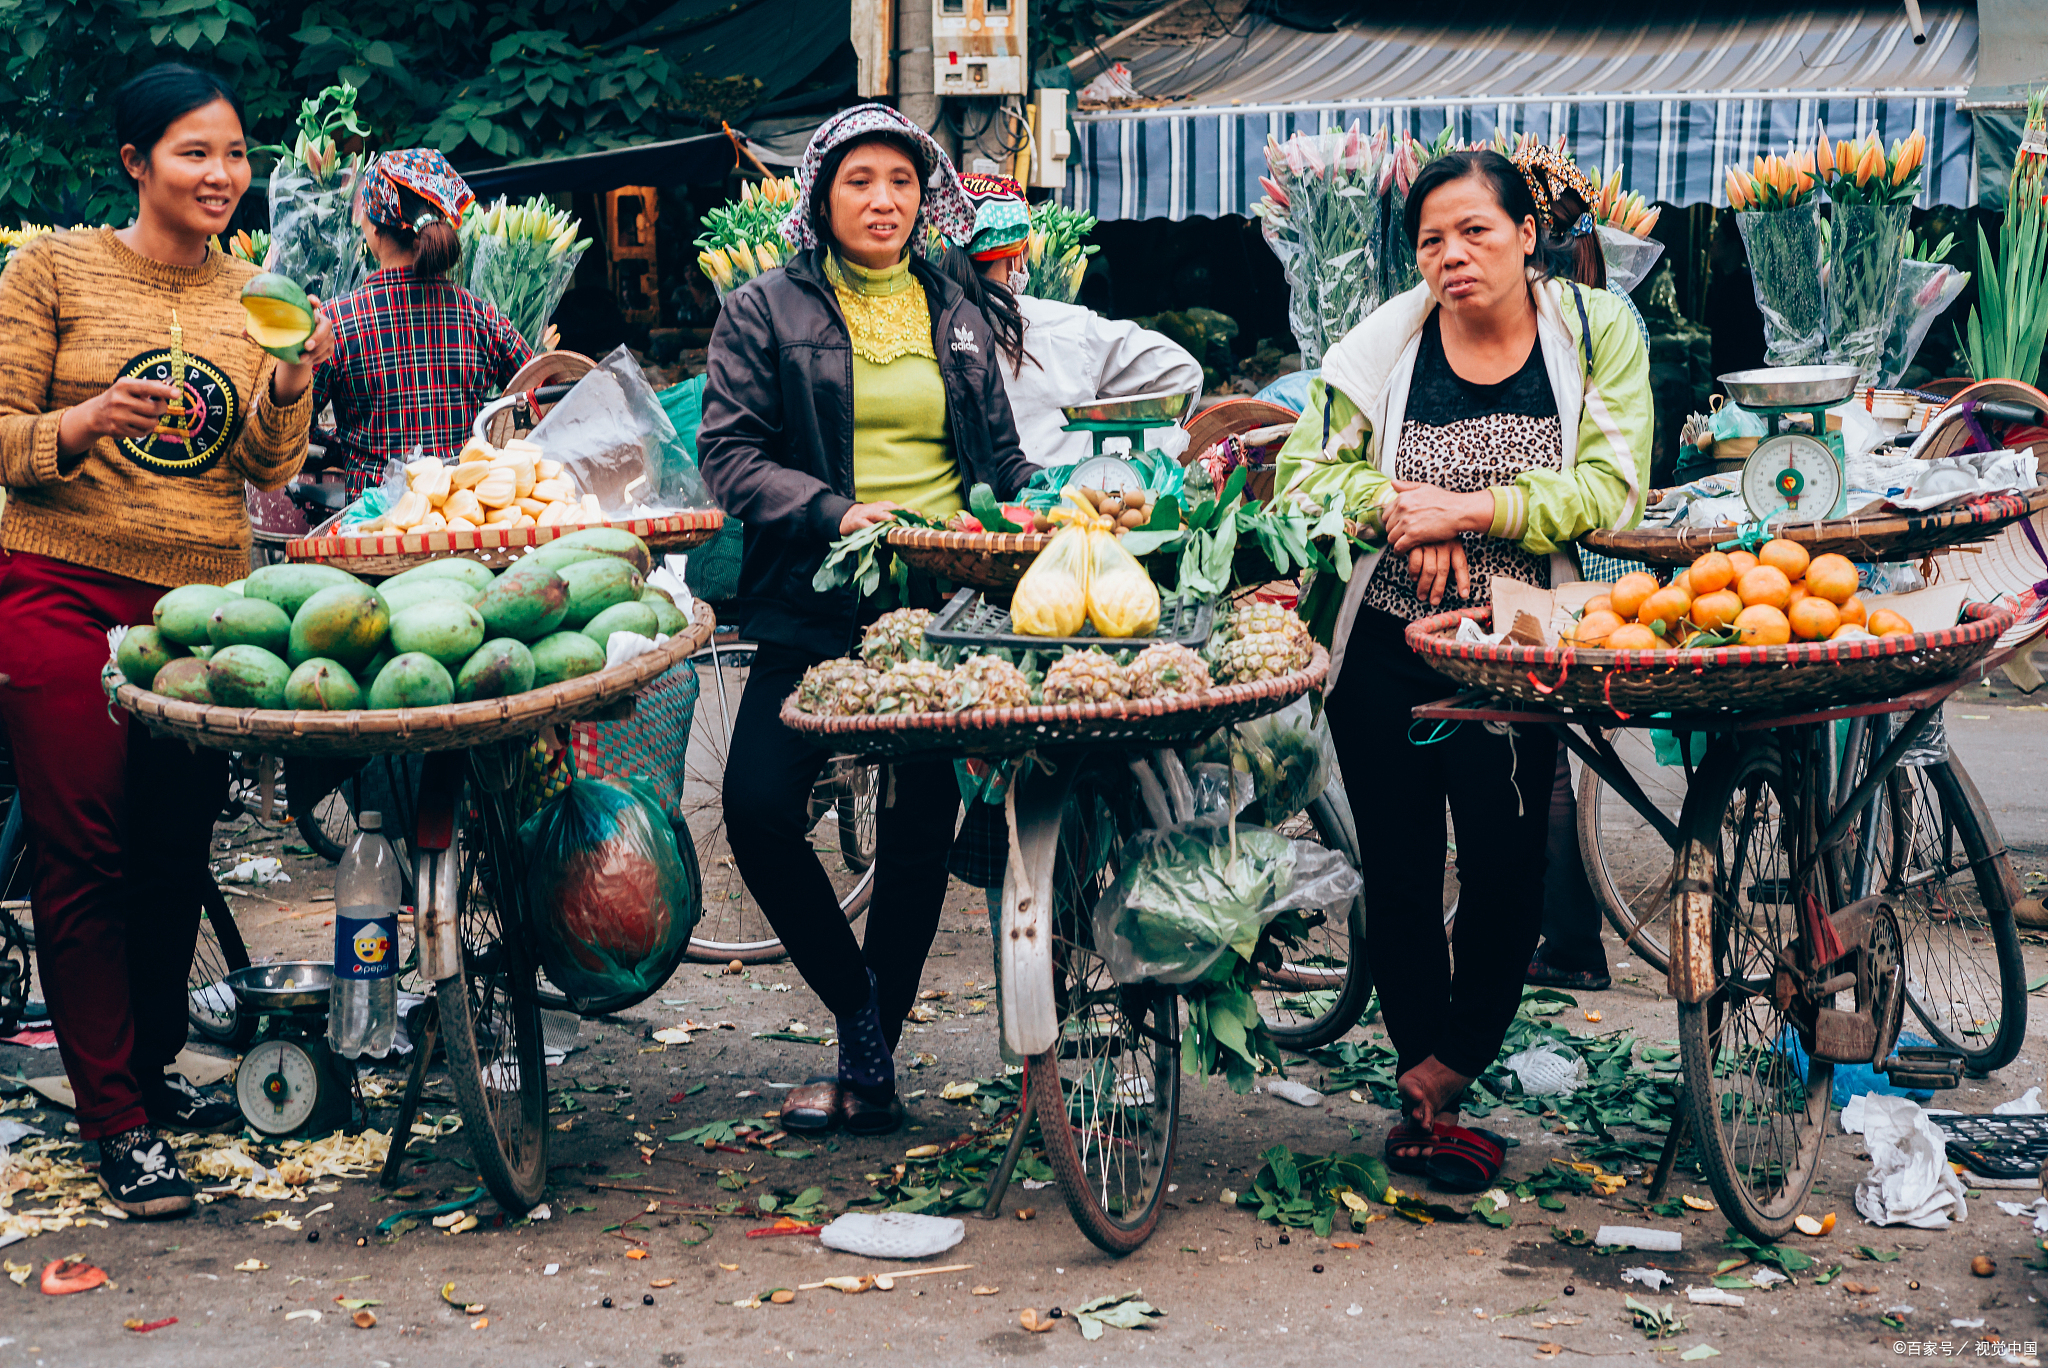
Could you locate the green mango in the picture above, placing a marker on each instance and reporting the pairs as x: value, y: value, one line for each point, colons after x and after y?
x: 446, y: 631
x: 246, y: 677
x: 595, y: 586
x: 611, y: 541
x: 344, y: 622
x: 498, y: 669
x: 144, y: 651
x: 183, y: 679
x: 525, y: 606
x: 565, y: 655
x: 622, y: 617
x: 554, y: 556
x: 368, y: 674
x: 445, y: 589
x: 412, y: 680
x: 278, y: 316
x: 668, y: 618
x: 289, y: 586
x: 184, y: 614
x: 250, y: 622
x: 235, y: 587
x: 475, y: 574
x: 322, y: 686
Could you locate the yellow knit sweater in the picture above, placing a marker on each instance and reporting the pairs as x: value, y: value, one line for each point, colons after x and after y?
x: 79, y: 310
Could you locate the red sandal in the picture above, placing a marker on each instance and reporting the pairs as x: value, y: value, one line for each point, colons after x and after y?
x: 1407, y: 1134
x: 1465, y: 1159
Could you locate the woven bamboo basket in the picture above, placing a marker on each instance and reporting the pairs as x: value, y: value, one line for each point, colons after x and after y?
x: 376, y: 554
x: 1879, y: 537
x: 1011, y: 731
x: 980, y: 560
x: 453, y: 726
x: 1774, y: 680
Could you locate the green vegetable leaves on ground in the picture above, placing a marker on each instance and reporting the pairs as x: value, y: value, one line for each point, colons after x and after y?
x: 1654, y: 1324
x: 1125, y: 1311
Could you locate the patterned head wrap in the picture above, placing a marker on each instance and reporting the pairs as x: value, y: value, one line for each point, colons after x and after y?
x: 1549, y: 169
x: 427, y: 174
x: 943, y: 206
x: 1002, y: 216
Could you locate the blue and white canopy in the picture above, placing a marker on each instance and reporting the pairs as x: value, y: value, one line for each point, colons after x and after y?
x: 1670, y: 102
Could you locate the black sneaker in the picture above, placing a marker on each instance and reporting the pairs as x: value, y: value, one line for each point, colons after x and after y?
x: 174, y: 1104
x: 142, y: 1176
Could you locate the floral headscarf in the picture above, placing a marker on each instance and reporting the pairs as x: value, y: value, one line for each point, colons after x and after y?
x: 1548, y: 170
x: 1002, y: 216
x: 942, y: 206
x: 427, y: 174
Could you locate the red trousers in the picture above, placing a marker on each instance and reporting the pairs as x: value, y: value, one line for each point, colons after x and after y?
x: 118, y: 825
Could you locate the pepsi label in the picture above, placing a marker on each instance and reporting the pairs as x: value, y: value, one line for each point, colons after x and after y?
x: 366, y: 942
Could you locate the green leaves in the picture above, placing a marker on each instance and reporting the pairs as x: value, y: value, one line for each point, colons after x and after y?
x: 1654, y: 1324
x: 981, y: 501
x: 1125, y: 1311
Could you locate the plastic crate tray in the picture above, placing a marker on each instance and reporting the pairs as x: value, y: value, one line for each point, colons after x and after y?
x: 971, y: 620
x: 1997, y: 1146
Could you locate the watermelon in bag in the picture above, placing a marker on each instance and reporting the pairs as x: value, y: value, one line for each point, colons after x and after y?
x: 611, y: 891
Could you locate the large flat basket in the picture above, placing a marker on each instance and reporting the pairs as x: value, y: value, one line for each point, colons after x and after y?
x: 982, y: 560
x: 452, y: 726
x: 1869, y: 538
x: 1778, y: 680
x: 388, y: 553
x: 1012, y: 731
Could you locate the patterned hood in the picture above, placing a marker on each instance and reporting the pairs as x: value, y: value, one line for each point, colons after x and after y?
x: 944, y: 205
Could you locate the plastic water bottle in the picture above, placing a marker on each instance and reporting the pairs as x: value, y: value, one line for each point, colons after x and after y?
x: 362, y: 1013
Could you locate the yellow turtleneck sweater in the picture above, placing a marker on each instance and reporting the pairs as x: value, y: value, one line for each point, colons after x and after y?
x: 901, y: 447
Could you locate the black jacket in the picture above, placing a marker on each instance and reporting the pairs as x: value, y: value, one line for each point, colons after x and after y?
x: 776, y: 445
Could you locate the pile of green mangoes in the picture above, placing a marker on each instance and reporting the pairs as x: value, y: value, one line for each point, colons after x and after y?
x: 317, y: 638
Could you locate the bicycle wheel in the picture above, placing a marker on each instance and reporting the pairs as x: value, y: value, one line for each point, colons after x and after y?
x: 328, y: 827
x: 1627, y: 862
x: 490, y: 1014
x: 842, y: 820
x: 1318, y: 989
x: 1939, y: 859
x: 209, y: 1003
x: 1759, y: 1101
x: 16, y: 871
x: 1107, y: 1094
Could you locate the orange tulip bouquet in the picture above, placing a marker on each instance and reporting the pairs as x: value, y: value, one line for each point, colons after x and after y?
x: 1778, y: 210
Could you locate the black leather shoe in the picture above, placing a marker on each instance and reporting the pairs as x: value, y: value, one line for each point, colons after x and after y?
x: 812, y: 1106
x: 870, y: 1114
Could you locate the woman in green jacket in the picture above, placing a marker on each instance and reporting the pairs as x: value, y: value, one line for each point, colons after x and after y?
x: 1485, y: 420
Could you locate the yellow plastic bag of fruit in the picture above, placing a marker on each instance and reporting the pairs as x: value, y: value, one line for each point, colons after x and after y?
x: 1052, y: 598
x: 1122, y: 600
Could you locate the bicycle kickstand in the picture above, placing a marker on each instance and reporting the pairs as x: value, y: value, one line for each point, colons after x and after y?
x: 429, y: 1018
x: 992, y: 1205
x: 1681, y: 1115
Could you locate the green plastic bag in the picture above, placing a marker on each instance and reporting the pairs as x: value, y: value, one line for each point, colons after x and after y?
x: 713, y: 572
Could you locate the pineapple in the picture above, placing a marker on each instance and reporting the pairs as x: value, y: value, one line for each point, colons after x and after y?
x: 837, y: 688
x: 1086, y: 677
x: 1250, y: 616
x: 1162, y: 671
x: 896, y: 638
x: 1260, y: 655
x: 917, y: 686
x: 987, y: 682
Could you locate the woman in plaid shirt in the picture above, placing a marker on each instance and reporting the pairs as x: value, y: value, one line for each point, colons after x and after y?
x: 415, y: 355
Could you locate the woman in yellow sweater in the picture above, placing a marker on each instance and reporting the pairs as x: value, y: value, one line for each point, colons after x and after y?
x: 132, y: 409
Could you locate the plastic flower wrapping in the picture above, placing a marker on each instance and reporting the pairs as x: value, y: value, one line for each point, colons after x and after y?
x: 1322, y: 216
x: 744, y: 239
x: 521, y: 259
x: 313, y: 236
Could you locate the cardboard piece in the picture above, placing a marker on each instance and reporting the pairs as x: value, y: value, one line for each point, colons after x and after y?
x: 1929, y: 610
x: 200, y: 1069
x: 1538, y: 617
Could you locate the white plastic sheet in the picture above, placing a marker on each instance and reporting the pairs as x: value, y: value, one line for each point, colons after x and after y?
x: 1910, y: 1182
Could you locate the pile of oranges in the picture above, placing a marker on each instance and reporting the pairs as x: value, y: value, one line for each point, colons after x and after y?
x: 1776, y: 596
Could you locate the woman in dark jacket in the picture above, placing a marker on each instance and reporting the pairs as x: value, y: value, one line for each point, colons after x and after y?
x: 856, y: 380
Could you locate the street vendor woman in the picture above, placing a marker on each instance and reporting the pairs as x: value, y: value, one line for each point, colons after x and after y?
x: 415, y: 354
x: 132, y: 409
x: 1485, y: 420
x: 855, y: 380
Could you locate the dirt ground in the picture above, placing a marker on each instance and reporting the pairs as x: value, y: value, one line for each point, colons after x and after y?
x: 566, y: 1291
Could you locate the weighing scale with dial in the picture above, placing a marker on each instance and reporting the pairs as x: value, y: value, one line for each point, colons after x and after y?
x: 289, y: 1082
x: 1794, y: 476
x: 1119, y: 427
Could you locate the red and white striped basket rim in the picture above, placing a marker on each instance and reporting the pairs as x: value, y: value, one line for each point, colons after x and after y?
x: 444, y: 542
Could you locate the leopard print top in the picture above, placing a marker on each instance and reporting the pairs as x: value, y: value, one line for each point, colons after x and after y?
x: 1467, y: 437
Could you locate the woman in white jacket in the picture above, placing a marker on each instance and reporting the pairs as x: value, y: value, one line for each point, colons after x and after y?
x: 1070, y: 355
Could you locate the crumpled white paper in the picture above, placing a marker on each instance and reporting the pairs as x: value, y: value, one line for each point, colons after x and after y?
x: 668, y: 577
x: 1969, y: 476
x: 621, y: 647
x: 2035, y: 1211
x: 261, y: 869
x: 1548, y: 1070
x: 1471, y: 633
x: 1910, y: 1182
x: 2027, y: 1104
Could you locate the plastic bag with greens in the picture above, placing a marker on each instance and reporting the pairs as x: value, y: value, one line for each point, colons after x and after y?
x: 1188, y: 895
x: 1288, y: 755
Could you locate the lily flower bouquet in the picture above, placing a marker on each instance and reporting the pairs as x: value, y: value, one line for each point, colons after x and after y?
x: 314, y: 238
x: 744, y: 239
x: 521, y: 259
x: 1322, y: 218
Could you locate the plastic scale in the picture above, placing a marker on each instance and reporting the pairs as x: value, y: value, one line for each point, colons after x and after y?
x: 289, y: 1082
x: 1794, y: 475
x: 1119, y: 427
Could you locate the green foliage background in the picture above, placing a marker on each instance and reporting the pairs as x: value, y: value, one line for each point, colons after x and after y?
x: 508, y: 79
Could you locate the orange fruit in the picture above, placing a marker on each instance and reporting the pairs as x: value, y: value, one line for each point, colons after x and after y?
x: 1852, y: 610
x: 1629, y: 591
x: 1884, y: 622
x: 1742, y: 561
x: 1799, y: 591
x: 1594, y: 628
x: 1766, y: 585
x: 1599, y: 603
x: 1712, y: 612
x: 1832, y: 577
x: 1683, y: 581
x: 1763, y: 625
x: 1848, y: 631
x: 1788, y: 556
x: 1710, y: 572
x: 1633, y: 636
x: 1664, y: 607
x: 1813, y: 618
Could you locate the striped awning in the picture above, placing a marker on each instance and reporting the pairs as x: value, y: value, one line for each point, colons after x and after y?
x: 1203, y: 154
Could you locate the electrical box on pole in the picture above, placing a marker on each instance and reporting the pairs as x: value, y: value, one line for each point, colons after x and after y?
x: 979, y: 47
x: 1051, y: 142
